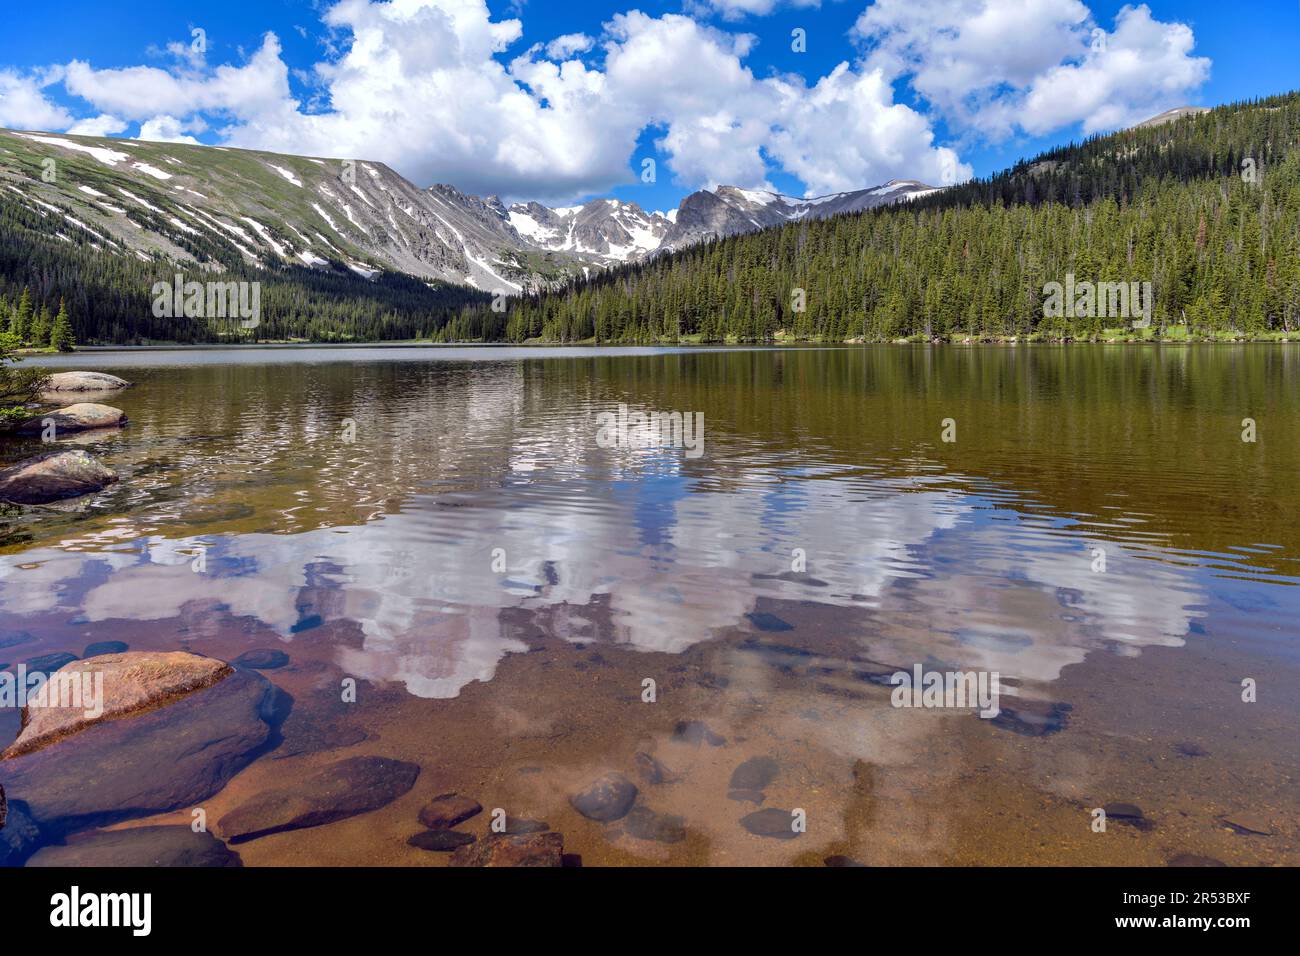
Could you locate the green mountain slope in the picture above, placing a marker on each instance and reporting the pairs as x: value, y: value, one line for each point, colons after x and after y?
x: 343, y: 249
x: 1206, y: 209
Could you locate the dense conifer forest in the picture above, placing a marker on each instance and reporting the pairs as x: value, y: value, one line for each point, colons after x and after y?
x: 1206, y: 209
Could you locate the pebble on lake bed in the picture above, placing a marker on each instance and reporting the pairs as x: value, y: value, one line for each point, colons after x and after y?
x: 447, y: 810
x: 607, y: 799
x: 440, y: 841
x: 644, y: 824
x: 262, y: 659
x: 696, y: 732
x: 774, y: 823
x: 504, y: 849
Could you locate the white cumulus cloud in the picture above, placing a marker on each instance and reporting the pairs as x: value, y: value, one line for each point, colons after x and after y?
x: 996, y: 67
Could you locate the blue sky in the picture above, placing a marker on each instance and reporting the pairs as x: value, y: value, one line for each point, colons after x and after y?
x: 711, y: 90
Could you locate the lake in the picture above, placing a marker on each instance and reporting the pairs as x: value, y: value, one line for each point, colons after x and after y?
x: 522, y: 604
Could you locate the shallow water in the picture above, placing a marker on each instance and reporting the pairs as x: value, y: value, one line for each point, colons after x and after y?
x: 442, y: 526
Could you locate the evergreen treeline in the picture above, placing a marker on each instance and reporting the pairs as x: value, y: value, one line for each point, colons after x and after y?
x: 34, y: 327
x: 110, y: 299
x: 1206, y: 209
x: 1173, y: 205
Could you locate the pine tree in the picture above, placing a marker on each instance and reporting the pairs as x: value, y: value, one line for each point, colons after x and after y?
x: 20, y: 324
x: 40, y: 335
x: 61, y: 338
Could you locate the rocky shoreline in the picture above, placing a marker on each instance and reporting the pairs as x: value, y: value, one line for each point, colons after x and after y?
x: 57, y: 475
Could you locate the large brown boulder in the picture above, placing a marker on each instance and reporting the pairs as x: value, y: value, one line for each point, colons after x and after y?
x: 172, y: 756
x: 80, y: 417
x: 53, y: 476
x: 85, y: 382
x: 126, y: 684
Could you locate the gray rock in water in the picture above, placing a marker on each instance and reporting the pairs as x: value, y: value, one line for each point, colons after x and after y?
x: 607, y: 799
x: 1128, y: 814
x: 18, y: 837
x: 1248, y: 824
x: 262, y: 659
x: 1033, y: 718
x: 85, y: 382
x: 504, y: 849
x: 774, y: 823
x: 754, y: 774
x: 440, y: 841
x: 53, y: 476
x: 523, y: 825
x: 650, y: 770
x: 696, y: 732
x: 152, y: 762
x: 140, y: 846
x: 644, y: 824
x: 48, y: 663
x: 81, y: 417
x: 448, y: 809
x: 105, y: 647
x: 14, y: 638
x: 4, y: 808
x: 344, y: 789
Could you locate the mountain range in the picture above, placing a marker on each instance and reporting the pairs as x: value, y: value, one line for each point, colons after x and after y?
x: 157, y: 200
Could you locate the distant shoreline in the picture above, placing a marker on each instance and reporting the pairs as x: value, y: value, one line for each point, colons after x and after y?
x: 1273, y: 338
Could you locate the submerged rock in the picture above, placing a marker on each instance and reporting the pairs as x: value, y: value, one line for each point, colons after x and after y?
x: 48, y: 663
x: 524, y: 825
x: 774, y: 823
x: 105, y: 647
x: 163, y: 759
x: 607, y: 799
x: 80, y: 417
x: 754, y: 774
x: 644, y: 824
x: 262, y: 659
x: 344, y: 789
x: 1128, y: 814
x: 139, y: 846
x: 1191, y: 859
x: 14, y: 638
x: 505, y: 849
x: 440, y: 841
x: 4, y: 808
x: 85, y: 382
x: 127, y: 684
x: 651, y: 770
x: 53, y: 476
x: 841, y: 860
x: 696, y: 732
x: 1033, y: 719
x: 1247, y: 824
x: 448, y: 809
x: 766, y: 621
x: 18, y: 837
